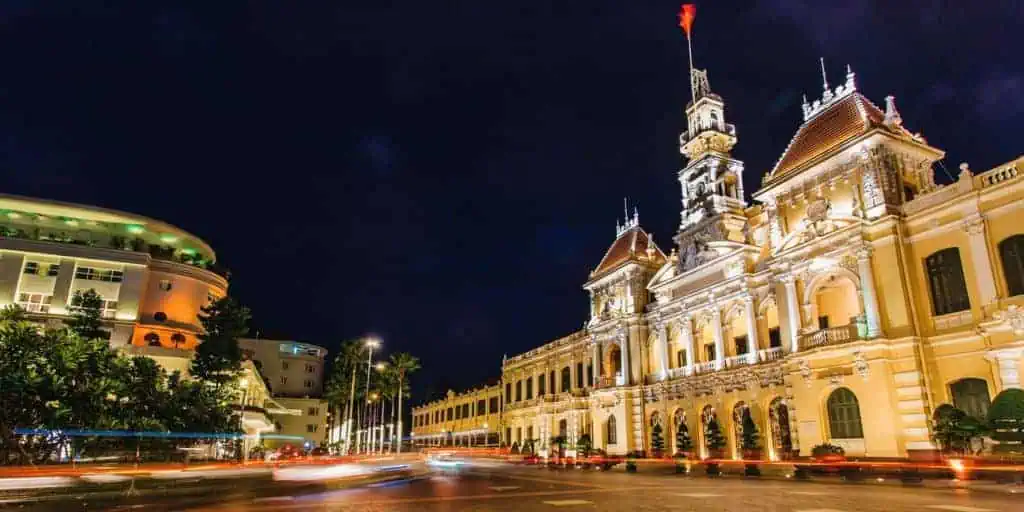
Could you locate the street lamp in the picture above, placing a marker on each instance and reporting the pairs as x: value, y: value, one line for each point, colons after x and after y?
x: 371, y: 343
x: 244, y: 384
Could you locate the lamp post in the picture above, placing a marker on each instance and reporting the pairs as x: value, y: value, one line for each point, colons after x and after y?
x: 371, y: 344
x: 244, y: 384
x: 381, y: 366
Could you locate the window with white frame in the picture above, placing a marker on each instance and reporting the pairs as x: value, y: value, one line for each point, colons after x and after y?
x: 99, y: 274
x: 313, y: 411
x: 308, y: 384
x: 311, y: 428
x: 310, y: 368
x: 31, y: 268
x: 109, y: 308
x: 35, y: 302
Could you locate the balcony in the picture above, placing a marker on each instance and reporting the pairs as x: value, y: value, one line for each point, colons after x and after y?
x: 828, y: 337
x: 771, y: 354
x: 704, y: 367
x: 717, y: 126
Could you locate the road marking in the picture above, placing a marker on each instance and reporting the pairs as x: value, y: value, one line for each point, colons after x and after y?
x: 273, y: 498
x: 501, y: 488
x: 698, y: 495
x: 568, y: 503
x: 958, y: 508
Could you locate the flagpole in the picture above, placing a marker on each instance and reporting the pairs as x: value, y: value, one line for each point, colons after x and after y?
x: 689, y: 50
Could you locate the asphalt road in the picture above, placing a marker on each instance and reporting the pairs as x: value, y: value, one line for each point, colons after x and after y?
x: 501, y: 488
x: 527, y: 488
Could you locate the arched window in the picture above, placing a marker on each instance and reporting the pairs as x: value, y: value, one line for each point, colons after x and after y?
x: 1011, y: 251
x: 152, y: 339
x: 563, y: 428
x: 615, y: 354
x: 844, y: 415
x: 946, y: 280
x: 566, y: 381
x: 971, y: 396
x: 178, y: 339
x: 611, y: 435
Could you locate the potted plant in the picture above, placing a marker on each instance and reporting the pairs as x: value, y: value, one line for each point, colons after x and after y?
x: 715, y: 441
x: 828, y: 453
x: 751, y: 444
x: 583, y: 447
x: 631, y: 462
x: 1006, y: 419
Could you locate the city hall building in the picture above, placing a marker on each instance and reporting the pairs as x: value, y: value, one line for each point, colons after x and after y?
x: 854, y: 297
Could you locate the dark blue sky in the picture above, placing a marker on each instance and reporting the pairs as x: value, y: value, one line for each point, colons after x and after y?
x: 442, y: 173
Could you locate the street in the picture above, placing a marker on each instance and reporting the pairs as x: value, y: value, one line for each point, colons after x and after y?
x: 501, y: 487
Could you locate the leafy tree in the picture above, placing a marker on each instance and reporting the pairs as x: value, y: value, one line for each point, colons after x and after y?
x: 1006, y: 419
x: 87, y: 316
x: 751, y: 438
x: 218, y: 358
x: 683, y: 441
x: 657, y: 440
x: 583, y: 446
x: 515, y: 447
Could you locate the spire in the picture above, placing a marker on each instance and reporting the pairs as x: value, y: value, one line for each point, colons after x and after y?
x: 627, y: 223
x: 827, y: 93
x: 829, y: 96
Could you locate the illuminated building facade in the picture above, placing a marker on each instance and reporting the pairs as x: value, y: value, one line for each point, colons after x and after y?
x: 294, y: 374
x: 470, y: 418
x: 153, y: 277
x: 852, y: 300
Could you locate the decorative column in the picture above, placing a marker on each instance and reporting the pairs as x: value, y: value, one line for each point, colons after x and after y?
x: 662, y: 349
x: 975, y: 228
x: 716, y: 321
x: 748, y: 307
x: 686, y: 329
x: 596, y: 362
x: 572, y: 371
x: 624, y: 355
x: 1008, y: 363
x: 793, y: 312
x: 867, y: 289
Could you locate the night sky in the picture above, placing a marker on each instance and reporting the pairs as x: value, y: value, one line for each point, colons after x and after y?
x: 446, y: 174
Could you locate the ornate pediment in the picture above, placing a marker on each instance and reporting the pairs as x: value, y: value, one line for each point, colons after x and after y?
x: 819, y: 222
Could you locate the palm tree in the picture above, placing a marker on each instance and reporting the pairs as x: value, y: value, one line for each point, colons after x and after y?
x: 341, y: 387
x: 403, y: 364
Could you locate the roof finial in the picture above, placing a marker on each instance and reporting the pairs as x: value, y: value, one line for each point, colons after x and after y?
x: 892, y: 116
x: 827, y: 95
x: 851, y: 85
x: 625, y: 209
x: 636, y: 216
x: 824, y: 78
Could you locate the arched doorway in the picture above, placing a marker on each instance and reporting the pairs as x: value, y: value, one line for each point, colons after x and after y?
x: 844, y: 415
x: 778, y: 418
x: 832, y: 309
x: 657, y: 434
x: 678, y: 425
x: 707, y: 414
x: 737, y: 428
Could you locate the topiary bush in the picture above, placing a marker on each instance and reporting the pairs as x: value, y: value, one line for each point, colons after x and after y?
x: 1006, y: 420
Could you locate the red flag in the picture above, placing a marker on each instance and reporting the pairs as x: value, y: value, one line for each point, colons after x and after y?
x: 686, y: 16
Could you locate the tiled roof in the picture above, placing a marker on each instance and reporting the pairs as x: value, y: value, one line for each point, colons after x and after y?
x: 846, y: 119
x: 631, y: 245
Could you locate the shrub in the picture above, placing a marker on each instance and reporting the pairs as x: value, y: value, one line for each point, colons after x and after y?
x: 824, y: 449
x: 1006, y: 419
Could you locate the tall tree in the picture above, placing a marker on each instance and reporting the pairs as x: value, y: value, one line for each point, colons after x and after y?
x: 404, y: 364
x: 87, y: 315
x: 218, y: 358
x: 683, y: 441
x: 657, y: 440
x: 346, y: 384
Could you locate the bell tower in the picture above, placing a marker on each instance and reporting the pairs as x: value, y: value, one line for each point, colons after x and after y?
x: 712, y: 181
